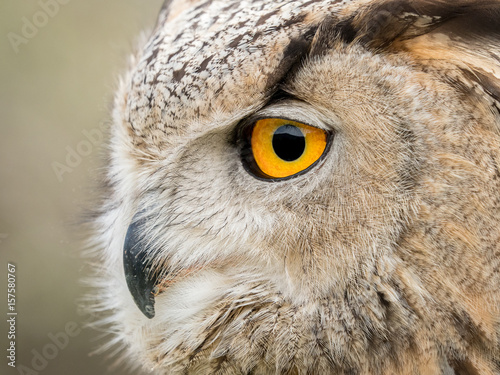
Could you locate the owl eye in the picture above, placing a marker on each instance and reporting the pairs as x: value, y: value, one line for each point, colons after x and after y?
x: 281, y: 148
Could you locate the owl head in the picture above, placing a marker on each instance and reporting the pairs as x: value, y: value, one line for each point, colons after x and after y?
x: 307, y: 187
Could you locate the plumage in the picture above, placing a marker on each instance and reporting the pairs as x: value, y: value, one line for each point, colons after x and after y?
x: 381, y: 257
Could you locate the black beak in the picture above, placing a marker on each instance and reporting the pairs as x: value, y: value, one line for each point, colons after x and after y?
x: 141, y: 280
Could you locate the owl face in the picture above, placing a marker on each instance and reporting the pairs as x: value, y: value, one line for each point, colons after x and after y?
x: 308, y: 187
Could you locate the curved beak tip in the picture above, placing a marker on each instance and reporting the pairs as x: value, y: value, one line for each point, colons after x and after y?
x: 137, y: 266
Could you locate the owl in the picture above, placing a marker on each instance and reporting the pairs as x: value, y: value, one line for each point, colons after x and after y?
x: 306, y: 187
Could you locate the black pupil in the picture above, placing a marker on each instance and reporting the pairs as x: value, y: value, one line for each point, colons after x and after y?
x: 288, y: 142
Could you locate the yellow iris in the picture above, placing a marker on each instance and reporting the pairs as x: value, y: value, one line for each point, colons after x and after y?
x: 282, y: 148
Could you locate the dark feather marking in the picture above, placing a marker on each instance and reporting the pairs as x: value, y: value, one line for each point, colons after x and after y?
x: 229, y: 7
x: 204, y: 63
x: 487, y: 81
x: 234, y: 43
x: 177, y: 75
x: 329, y: 32
x: 296, y: 50
x: 262, y: 20
x: 294, y: 20
x: 153, y: 56
x: 495, y: 164
x: 202, y: 5
x: 463, y: 367
x: 380, y: 25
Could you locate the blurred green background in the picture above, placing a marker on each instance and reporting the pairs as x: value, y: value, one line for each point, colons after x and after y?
x: 55, y: 83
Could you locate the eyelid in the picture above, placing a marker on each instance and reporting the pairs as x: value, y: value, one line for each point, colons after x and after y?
x: 297, y: 111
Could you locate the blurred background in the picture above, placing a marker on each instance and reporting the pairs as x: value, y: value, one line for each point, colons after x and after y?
x: 60, y: 60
